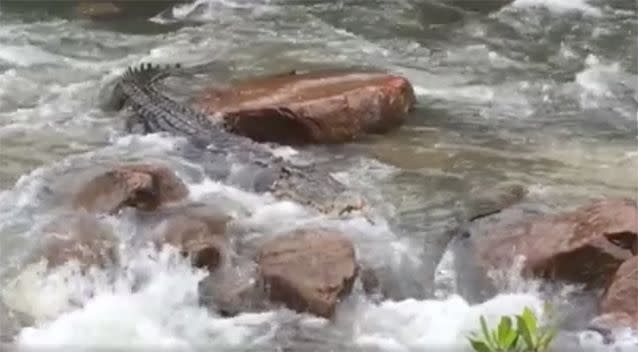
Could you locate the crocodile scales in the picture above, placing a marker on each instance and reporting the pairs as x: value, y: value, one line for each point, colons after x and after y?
x: 156, y: 112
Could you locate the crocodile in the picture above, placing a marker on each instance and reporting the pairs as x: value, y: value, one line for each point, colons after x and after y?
x: 308, y: 185
x: 155, y: 112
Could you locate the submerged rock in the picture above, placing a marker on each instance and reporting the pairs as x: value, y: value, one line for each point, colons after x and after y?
x: 319, y: 107
x: 234, y: 289
x: 197, y: 232
x: 82, y: 238
x: 140, y: 186
x: 100, y: 10
x: 483, y: 6
x: 308, y: 270
x: 619, y: 303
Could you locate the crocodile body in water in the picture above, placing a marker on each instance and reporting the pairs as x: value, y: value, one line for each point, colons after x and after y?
x: 213, y: 145
x: 217, y: 149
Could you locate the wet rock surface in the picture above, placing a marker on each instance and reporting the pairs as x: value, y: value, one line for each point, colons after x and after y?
x: 101, y: 10
x: 234, y: 289
x: 318, y: 107
x: 140, y: 186
x: 308, y: 270
x: 620, y: 300
x: 198, y: 232
x: 81, y: 238
x: 585, y: 245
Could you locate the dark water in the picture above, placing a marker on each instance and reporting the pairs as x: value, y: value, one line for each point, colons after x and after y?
x: 544, y: 92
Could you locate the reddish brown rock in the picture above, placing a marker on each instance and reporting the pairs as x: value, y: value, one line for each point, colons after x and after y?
x: 586, y: 245
x: 320, y: 107
x: 145, y: 187
x: 98, y: 10
x: 308, y: 271
x: 107, y: 10
x: 620, y: 300
x: 197, y: 233
x: 81, y: 238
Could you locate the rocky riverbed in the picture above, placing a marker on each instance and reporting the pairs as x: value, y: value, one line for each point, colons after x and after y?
x: 540, y: 93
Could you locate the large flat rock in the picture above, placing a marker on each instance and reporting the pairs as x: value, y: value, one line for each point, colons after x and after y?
x: 318, y: 107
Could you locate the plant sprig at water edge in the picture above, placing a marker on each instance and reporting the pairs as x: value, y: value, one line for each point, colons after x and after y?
x: 526, y: 336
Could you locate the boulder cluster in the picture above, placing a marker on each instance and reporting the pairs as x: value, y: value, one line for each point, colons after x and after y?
x: 594, y: 246
x: 308, y: 270
x: 312, y: 269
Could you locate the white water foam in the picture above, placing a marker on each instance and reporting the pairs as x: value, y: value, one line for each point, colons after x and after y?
x: 421, y: 325
x: 595, y: 78
x: 27, y: 55
x: 162, y: 314
x: 603, y: 84
x: 560, y: 6
x: 151, y: 300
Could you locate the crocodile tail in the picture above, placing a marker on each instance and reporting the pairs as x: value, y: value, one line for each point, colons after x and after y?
x: 147, y: 73
x: 136, y: 79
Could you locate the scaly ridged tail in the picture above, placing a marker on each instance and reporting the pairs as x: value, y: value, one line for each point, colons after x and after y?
x: 156, y: 112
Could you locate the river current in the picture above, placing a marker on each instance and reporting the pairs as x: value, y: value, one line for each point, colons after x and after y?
x: 543, y: 92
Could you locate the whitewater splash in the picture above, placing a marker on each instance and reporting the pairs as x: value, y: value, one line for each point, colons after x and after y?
x: 152, y: 298
x: 560, y: 6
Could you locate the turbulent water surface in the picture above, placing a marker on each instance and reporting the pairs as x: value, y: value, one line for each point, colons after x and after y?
x: 544, y: 92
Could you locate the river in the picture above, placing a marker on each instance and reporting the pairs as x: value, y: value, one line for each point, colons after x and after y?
x: 543, y: 92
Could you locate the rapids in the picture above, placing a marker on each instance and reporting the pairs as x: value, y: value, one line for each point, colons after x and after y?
x: 544, y: 92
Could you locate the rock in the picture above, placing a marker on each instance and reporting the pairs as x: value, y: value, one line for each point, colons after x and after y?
x: 233, y: 290
x: 483, y: 6
x: 586, y: 245
x: 620, y: 300
x: 82, y: 238
x: 484, y: 202
x: 104, y: 10
x: 98, y: 10
x: 308, y: 270
x: 198, y: 234
x: 320, y: 107
x: 145, y: 187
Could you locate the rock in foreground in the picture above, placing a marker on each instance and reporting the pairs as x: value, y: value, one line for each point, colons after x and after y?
x: 586, y: 245
x: 620, y: 300
x: 144, y: 187
x: 309, y: 271
x: 197, y: 232
x: 81, y: 238
x: 320, y: 107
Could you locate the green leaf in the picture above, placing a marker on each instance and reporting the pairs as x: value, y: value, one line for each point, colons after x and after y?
x: 486, y: 332
x: 510, y: 340
x: 480, y: 346
x: 530, y: 321
x: 504, y: 328
x: 497, y: 343
x: 523, y: 331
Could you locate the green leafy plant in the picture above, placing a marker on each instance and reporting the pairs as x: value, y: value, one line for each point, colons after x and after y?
x: 526, y: 336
